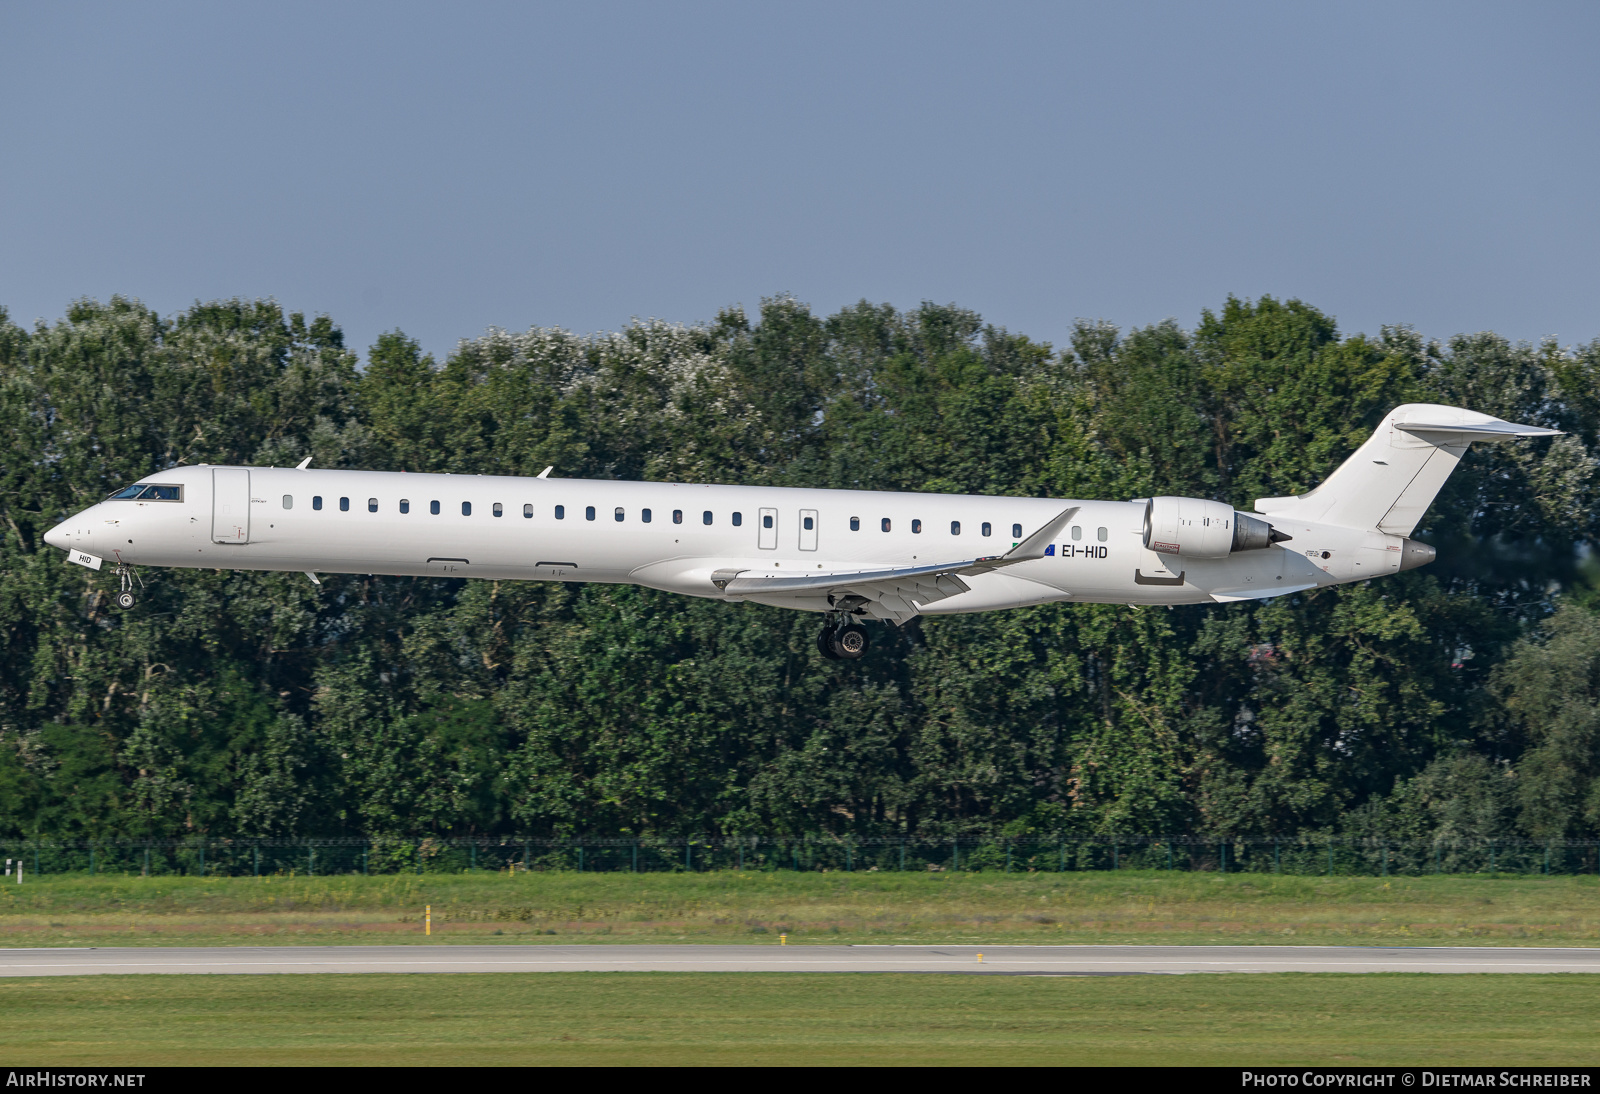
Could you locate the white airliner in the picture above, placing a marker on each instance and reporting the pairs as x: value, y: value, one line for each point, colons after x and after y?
x: 852, y: 554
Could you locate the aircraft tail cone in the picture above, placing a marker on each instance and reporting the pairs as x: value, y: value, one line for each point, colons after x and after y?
x: 1414, y: 554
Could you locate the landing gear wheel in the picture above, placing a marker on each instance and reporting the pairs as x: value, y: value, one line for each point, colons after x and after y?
x: 124, y: 600
x: 850, y: 641
x: 825, y: 643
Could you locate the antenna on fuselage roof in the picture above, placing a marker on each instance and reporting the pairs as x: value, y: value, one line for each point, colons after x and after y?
x: 546, y: 472
x: 303, y: 464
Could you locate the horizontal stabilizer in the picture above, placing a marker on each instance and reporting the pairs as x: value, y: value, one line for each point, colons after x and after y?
x: 1492, y: 430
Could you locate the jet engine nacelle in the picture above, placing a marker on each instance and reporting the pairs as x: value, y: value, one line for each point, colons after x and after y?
x: 1195, y: 528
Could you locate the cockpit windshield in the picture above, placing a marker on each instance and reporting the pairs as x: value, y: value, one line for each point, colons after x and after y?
x: 148, y: 491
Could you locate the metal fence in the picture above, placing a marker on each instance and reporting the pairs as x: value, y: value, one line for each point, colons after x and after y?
x: 1257, y: 855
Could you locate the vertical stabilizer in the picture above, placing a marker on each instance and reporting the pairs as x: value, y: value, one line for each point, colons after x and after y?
x: 1389, y: 482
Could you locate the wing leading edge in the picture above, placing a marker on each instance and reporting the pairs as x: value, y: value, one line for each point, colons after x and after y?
x: 893, y: 594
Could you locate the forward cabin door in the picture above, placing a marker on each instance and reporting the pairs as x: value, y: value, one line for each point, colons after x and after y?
x: 808, y: 529
x: 767, y: 538
x: 230, y: 505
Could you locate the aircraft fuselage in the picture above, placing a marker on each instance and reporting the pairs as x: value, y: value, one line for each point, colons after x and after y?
x: 675, y: 536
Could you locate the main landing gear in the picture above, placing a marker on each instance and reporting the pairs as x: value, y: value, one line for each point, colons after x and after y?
x: 839, y: 640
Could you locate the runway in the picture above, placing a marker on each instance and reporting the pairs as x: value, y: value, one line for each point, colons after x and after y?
x: 771, y: 957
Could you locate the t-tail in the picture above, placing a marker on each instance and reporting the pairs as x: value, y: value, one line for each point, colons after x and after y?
x: 1389, y: 482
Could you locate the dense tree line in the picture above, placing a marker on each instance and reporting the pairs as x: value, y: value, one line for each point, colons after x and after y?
x: 1461, y: 699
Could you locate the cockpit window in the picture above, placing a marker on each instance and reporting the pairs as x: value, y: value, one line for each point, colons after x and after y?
x: 147, y: 491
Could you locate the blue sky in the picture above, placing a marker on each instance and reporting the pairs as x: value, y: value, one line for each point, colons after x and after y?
x: 445, y: 168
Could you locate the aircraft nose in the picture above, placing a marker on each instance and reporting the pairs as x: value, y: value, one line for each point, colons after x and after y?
x: 58, y: 536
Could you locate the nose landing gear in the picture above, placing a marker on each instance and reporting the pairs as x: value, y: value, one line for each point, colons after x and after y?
x: 125, y: 598
x: 842, y: 641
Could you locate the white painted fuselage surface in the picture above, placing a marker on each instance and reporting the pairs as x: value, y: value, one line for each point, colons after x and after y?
x: 883, y: 555
x: 666, y: 536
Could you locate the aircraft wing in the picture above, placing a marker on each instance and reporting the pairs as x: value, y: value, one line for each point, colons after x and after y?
x: 891, y: 594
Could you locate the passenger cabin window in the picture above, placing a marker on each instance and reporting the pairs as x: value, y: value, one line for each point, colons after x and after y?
x: 619, y: 514
x: 466, y: 508
x: 405, y: 505
x: 288, y: 501
x: 372, y: 505
x: 885, y: 525
x: 1016, y: 531
x: 644, y: 516
x: 316, y: 502
x: 588, y: 512
x: 705, y: 518
x: 955, y: 528
x: 916, y: 527
x: 527, y: 511
x: 561, y: 512
x: 677, y: 516
x: 433, y: 507
x: 766, y: 520
x: 809, y: 523
x: 1077, y: 532
x: 499, y: 510
x: 987, y: 529
x: 738, y: 519
x: 344, y: 505
x: 855, y: 524
x: 1100, y: 534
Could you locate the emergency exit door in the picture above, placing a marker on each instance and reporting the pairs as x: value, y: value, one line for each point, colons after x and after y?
x: 808, y: 529
x: 230, y: 505
x: 767, y: 535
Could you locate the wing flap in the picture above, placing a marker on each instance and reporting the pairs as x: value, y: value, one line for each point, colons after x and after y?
x: 1230, y: 596
x: 734, y: 583
x: 892, y: 594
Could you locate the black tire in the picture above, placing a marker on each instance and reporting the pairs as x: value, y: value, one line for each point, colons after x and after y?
x: 851, y: 642
x: 124, y: 600
x: 825, y: 644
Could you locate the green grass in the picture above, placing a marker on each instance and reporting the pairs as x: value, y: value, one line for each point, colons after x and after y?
x: 749, y: 1018
x: 729, y: 906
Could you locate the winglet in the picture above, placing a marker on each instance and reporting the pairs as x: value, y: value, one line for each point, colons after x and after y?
x: 1033, y: 547
x: 546, y: 472
x: 303, y: 464
x: 1030, y: 548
